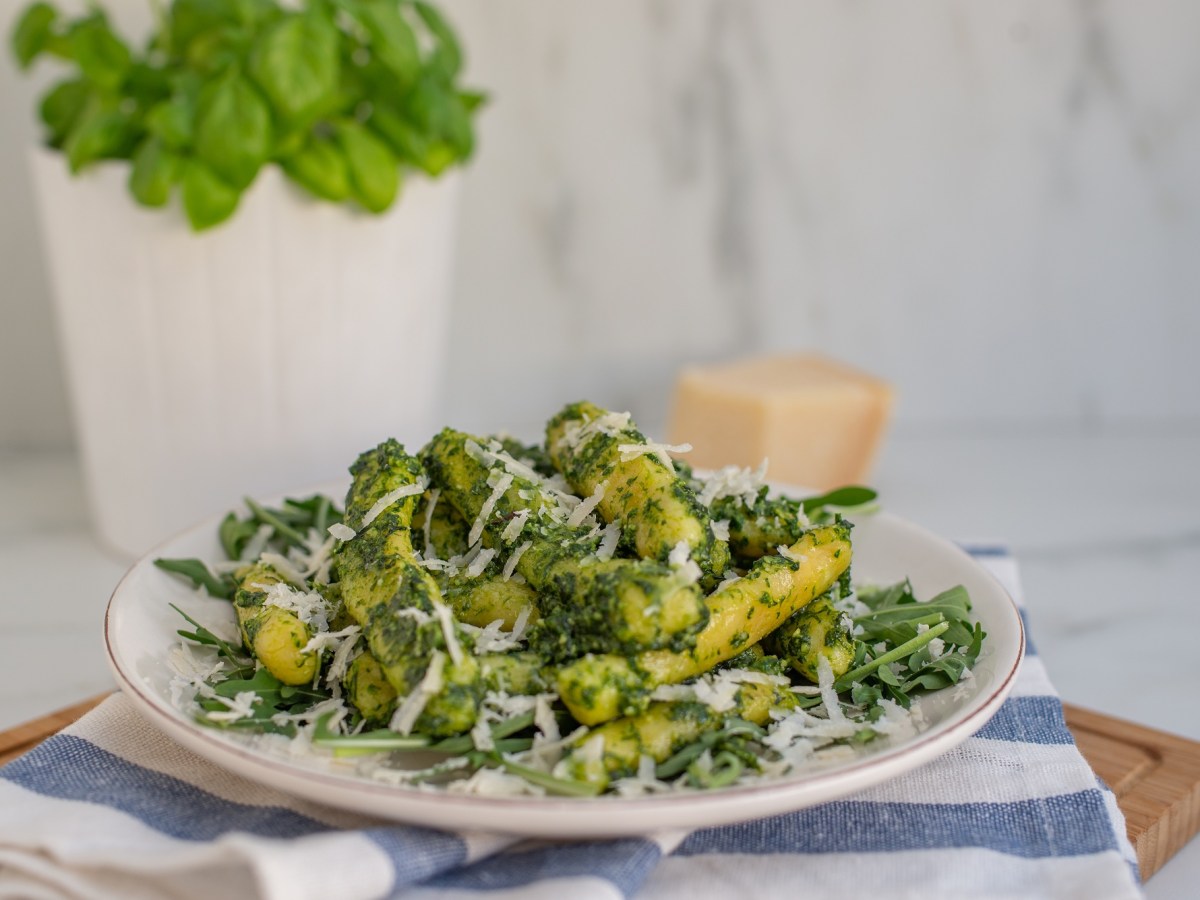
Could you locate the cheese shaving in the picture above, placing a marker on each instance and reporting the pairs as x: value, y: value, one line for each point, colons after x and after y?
x: 308, y: 606
x: 480, y: 562
x: 516, y: 524
x: 788, y: 553
x: 257, y: 543
x: 324, y: 640
x: 576, y: 434
x: 446, y: 619
x: 584, y: 509
x: 720, y: 529
x: 342, y: 532
x: 410, y: 709
x: 734, y: 481
x: 343, y: 655
x: 680, y: 559
x: 515, y: 557
x: 661, y: 451
x: 427, y: 541
x: 240, y: 707
x: 829, y: 697
x: 391, y: 497
x: 501, y: 485
x: 608, y: 542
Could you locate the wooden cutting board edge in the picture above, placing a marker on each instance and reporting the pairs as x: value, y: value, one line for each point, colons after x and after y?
x: 1154, y: 775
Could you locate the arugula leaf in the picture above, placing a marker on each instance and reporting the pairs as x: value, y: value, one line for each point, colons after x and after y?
x: 235, y: 533
x: 235, y: 655
x: 197, y: 572
x: 843, y: 498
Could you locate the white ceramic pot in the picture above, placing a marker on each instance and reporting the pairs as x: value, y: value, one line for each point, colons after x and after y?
x: 255, y: 358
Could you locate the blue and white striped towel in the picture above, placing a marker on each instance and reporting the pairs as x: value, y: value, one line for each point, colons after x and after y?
x: 109, y: 808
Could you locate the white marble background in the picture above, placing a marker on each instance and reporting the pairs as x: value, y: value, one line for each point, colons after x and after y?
x: 993, y: 205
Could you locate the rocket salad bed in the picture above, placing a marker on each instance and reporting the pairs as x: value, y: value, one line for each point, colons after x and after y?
x: 582, y: 617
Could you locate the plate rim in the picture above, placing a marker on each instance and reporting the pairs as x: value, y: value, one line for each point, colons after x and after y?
x: 380, y: 798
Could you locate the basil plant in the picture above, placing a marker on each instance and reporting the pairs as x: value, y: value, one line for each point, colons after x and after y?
x: 344, y: 95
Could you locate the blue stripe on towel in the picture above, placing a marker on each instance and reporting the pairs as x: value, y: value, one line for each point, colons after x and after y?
x: 1065, y: 825
x: 989, y: 550
x: 1028, y: 720
x: 70, y: 768
x: 626, y: 863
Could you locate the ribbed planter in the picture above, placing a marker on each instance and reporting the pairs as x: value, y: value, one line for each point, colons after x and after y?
x: 256, y: 358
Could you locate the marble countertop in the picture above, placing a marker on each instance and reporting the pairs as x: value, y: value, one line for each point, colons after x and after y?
x: 1106, y: 529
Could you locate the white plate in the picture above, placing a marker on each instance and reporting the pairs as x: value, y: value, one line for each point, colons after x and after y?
x: 140, y: 631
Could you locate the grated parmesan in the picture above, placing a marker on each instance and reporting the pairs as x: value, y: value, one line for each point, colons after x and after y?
x: 391, y: 497
x: 480, y: 562
x: 308, y: 606
x: 662, y: 452
x: 284, y: 567
x: 516, y: 524
x: 427, y: 541
x: 446, y: 619
x: 515, y: 557
x: 342, y: 532
x: 584, y: 509
x: 734, y: 481
x: 680, y: 559
x: 257, y: 543
x: 499, y: 486
x: 410, y: 709
x: 608, y: 541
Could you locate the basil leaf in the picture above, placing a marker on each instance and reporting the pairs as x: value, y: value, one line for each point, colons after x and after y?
x: 101, y: 132
x: 173, y: 121
x: 296, y: 64
x: 100, y: 54
x: 33, y: 32
x: 62, y: 108
x: 472, y: 100
x: 447, y: 55
x: 374, y: 171
x: 406, y: 141
x: 207, y: 199
x: 192, y: 18
x: 392, y: 39
x: 321, y: 168
x: 155, y: 171
x: 440, y: 113
x: 233, y: 130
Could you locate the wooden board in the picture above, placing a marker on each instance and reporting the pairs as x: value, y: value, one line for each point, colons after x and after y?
x: 24, y: 738
x: 1155, y: 775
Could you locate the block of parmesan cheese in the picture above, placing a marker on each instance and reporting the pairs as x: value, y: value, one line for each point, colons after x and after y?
x: 819, y: 422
